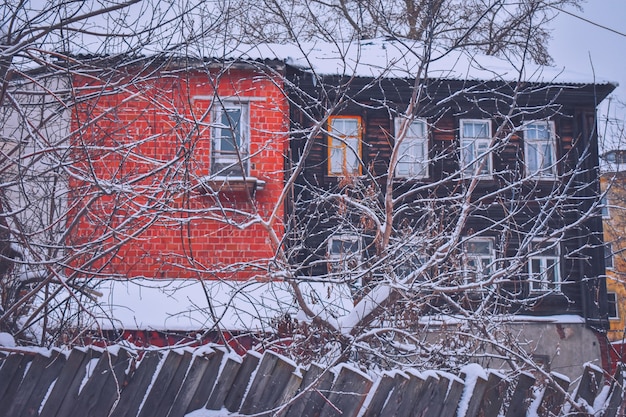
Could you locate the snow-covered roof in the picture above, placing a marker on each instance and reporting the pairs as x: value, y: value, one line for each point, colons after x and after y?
x: 190, y: 305
x: 187, y: 305
x: 401, y: 59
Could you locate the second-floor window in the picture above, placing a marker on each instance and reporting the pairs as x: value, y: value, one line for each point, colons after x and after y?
x: 604, y: 207
x: 344, y: 145
x: 475, y: 142
x: 230, y: 143
x: 540, y: 149
x: 608, y: 255
x: 543, y: 267
x: 478, y: 258
x: 413, y: 149
x: 612, y: 305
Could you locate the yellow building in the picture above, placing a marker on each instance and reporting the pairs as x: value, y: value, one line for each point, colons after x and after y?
x: 613, y: 183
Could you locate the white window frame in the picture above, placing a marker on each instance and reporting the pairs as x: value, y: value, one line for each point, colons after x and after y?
x: 478, y: 264
x: 475, y: 148
x: 546, y: 168
x: 242, y: 153
x: 612, y: 294
x: 413, y: 149
x: 543, y: 260
x: 344, y: 147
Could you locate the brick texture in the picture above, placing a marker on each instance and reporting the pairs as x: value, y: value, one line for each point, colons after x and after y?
x: 141, y: 143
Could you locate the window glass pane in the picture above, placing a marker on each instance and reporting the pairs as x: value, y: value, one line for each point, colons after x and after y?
x: 345, y: 127
x: 467, y: 153
x: 604, y: 208
x: 352, y: 164
x: 538, y: 131
x: 535, y: 266
x: 416, y: 130
x: 608, y: 255
x: 475, y: 129
x: 336, y: 160
x: 532, y: 158
x: 344, y: 246
x: 230, y: 133
x: 551, y: 275
x: 479, y: 247
x: 612, y: 305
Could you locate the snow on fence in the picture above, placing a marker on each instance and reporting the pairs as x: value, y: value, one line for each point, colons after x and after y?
x: 208, y: 381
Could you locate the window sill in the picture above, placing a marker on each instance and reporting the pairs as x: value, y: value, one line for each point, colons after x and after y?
x: 230, y: 184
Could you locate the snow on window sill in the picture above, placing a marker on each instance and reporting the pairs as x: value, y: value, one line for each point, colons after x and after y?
x: 224, y: 184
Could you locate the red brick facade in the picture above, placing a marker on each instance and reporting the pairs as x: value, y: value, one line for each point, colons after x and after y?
x: 140, y: 157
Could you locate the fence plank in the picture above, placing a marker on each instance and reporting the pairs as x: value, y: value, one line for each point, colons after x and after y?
x: 64, y: 395
x: 36, y: 383
x: 208, y: 381
x: 316, y: 382
x: 224, y: 382
x: 188, y: 388
x: 437, y: 401
x: 590, y: 384
x: 241, y: 381
x: 138, y: 384
x: 476, y: 397
x: 166, y: 385
x: 178, y: 379
x: 290, y: 389
x: 455, y: 391
x: 11, y: 374
x: 553, y: 397
x: 272, y: 377
x: 102, y: 389
x: 494, y: 395
x: 64, y: 380
x: 401, y: 386
x: 521, y: 396
x: 379, y: 394
x: 425, y: 396
x: 347, y: 393
x: 616, y: 395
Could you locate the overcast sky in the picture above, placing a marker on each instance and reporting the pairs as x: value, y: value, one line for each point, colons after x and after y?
x: 577, y: 45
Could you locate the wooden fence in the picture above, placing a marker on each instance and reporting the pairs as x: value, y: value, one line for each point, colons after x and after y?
x: 114, y: 382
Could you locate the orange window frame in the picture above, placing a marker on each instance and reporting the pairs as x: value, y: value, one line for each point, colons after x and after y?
x: 344, y: 147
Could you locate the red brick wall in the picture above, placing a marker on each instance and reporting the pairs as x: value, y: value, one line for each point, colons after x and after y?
x: 140, y: 144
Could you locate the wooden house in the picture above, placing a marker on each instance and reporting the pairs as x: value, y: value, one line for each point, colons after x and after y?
x: 490, y: 183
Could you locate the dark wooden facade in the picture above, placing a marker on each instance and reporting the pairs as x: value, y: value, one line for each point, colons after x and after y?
x: 506, y: 207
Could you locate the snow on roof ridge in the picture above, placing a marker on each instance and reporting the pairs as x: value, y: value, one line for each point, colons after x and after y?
x: 400, y: 58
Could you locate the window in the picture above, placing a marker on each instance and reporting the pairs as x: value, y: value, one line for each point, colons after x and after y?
x: 230, y: 139
x: 608, y: 255
x: 612, y: 305
x: 478, y: 256
x: 539, y: 145
x: 543, y: 267
x: 413, y: 150
x: 475, y: 142
x: 344, y: 145
x: 345, y: 256
x: 344, y: 252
